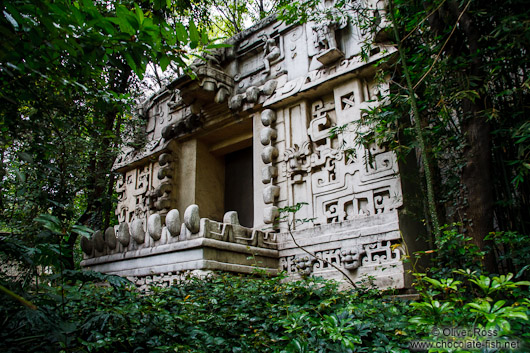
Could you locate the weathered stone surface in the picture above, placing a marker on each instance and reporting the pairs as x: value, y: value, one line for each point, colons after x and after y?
x: 268, y: 154
x: 252, y: 94
x: 192, y: 219
x: 267, y: 135
x: 137, y: 231
x: 87, y: 245
x: 231, y: 217
x: 164, y: 159
x: 271, y: 193
x: 270, y: 214
x: 154, y: 226
x: 268, y: 117
x: 123, y: 234
x: 110, y: 238
x: 269, y: 87
x: 173, y: 222
x: 268, y: 173
x: 99, y: 242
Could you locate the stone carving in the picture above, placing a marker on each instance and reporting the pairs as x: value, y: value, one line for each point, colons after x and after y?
x: 192, y: 218
x: 380, y: 253
x: 110, y: 238
x: 297, y: 160
x: 99, y: 242
x: 133, y: 196
x: 231, y: 217
x: 193, y: 228
x: 316, y: 77
x: 324, y: 36
x: 304, y: 265
x: 270, y: 215
x: 154, y: 226
x: 371, y: 254
x: 173, y: 222
x: 339, y: 186
x: 268, y: 155
x: 162, y: 198
x: 252, y: 96
x: 123, y: 234
x: 236, y: 233
x: 268, y: 173
x: 137, y: 231
x: 270, y: 52
x: 351, y: 258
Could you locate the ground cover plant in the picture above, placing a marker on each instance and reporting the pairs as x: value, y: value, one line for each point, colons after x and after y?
x: 229, y: 313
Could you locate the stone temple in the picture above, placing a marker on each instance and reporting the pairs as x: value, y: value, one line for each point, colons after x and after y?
x: 255, y: 132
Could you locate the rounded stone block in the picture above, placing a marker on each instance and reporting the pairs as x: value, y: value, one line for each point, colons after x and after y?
x: 231, y: 217
x: 99, y: 242
x: 123, y: 234
x: 252, y: 94
x: 173, y: 222
x: 164, y: 172
x: 137, y: 231
x: 268, y: 117
x: 236, y: 102
x: 87, y: 245
x: 268, y: 154
x: 110, y: 238
x: 154, y: 226
x: 269, y: 87
x: 270, y: 214
x: 192, y: 219
x: 268, y: 173
x: 271, y: 193
x: 266, y: 135
x: 164, y: 159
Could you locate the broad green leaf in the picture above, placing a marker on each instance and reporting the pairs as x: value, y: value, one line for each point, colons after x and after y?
x: 194, y: 34
x: 123, y: 16
x: 82, y: 230
x: 139, y: 14
x: 130, y: 61
x: 164, y: 62
x: 182, y: 34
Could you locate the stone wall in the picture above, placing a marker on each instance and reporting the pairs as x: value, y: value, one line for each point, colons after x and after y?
x: 285, y: 91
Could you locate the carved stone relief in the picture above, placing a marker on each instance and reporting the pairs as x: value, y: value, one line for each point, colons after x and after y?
x: 382, y: 253
x: 337, y: 184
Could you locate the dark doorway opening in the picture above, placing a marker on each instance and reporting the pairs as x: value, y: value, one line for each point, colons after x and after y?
x: 239, y: 189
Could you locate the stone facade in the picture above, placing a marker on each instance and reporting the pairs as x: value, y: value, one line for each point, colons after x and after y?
x: 254, y: 133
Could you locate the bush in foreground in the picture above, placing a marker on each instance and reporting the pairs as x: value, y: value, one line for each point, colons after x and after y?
x: 228, y: 313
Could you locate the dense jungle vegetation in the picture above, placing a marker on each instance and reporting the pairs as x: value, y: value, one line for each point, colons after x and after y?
x: 456, y: 111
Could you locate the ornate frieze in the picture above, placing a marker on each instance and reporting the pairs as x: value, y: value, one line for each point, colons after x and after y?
x: 350, y: 258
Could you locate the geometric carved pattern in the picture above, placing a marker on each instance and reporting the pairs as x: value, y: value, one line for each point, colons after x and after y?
x: 340, y: 186
x: 371, y: 254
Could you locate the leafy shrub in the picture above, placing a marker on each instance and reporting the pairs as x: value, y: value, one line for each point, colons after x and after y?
x: 229, y: 313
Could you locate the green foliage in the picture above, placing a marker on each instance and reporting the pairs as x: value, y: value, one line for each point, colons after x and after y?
x: 229, y: 313
x: 68, y: 72
x: 512, y: 251
x: 454, y: 250
x: 223, y: 313
x: 493, y: 303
